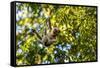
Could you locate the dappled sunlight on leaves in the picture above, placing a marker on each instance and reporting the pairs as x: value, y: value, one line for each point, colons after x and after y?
x: 75, y: 43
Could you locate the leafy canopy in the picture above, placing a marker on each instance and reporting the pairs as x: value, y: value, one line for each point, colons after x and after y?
x: 77, y: 39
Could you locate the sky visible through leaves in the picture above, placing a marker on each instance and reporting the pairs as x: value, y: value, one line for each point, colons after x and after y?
x: 75, y: 43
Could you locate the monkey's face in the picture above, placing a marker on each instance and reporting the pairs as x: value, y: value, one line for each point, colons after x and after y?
x: 56, y: 30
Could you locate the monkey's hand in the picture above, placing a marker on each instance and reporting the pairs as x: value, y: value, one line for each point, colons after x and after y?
x: 33, y: 30
x: 37, y: 34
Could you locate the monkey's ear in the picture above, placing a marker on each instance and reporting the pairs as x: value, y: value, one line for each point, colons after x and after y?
x: 58, y: 31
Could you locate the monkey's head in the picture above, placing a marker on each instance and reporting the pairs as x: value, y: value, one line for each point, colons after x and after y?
x: 55, y: 30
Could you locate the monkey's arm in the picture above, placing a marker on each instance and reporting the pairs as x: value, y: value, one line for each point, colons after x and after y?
x: 34, y: 31
x: 48, y: 23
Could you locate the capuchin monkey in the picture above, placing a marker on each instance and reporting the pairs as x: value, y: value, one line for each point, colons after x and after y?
x: 48, y: 38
